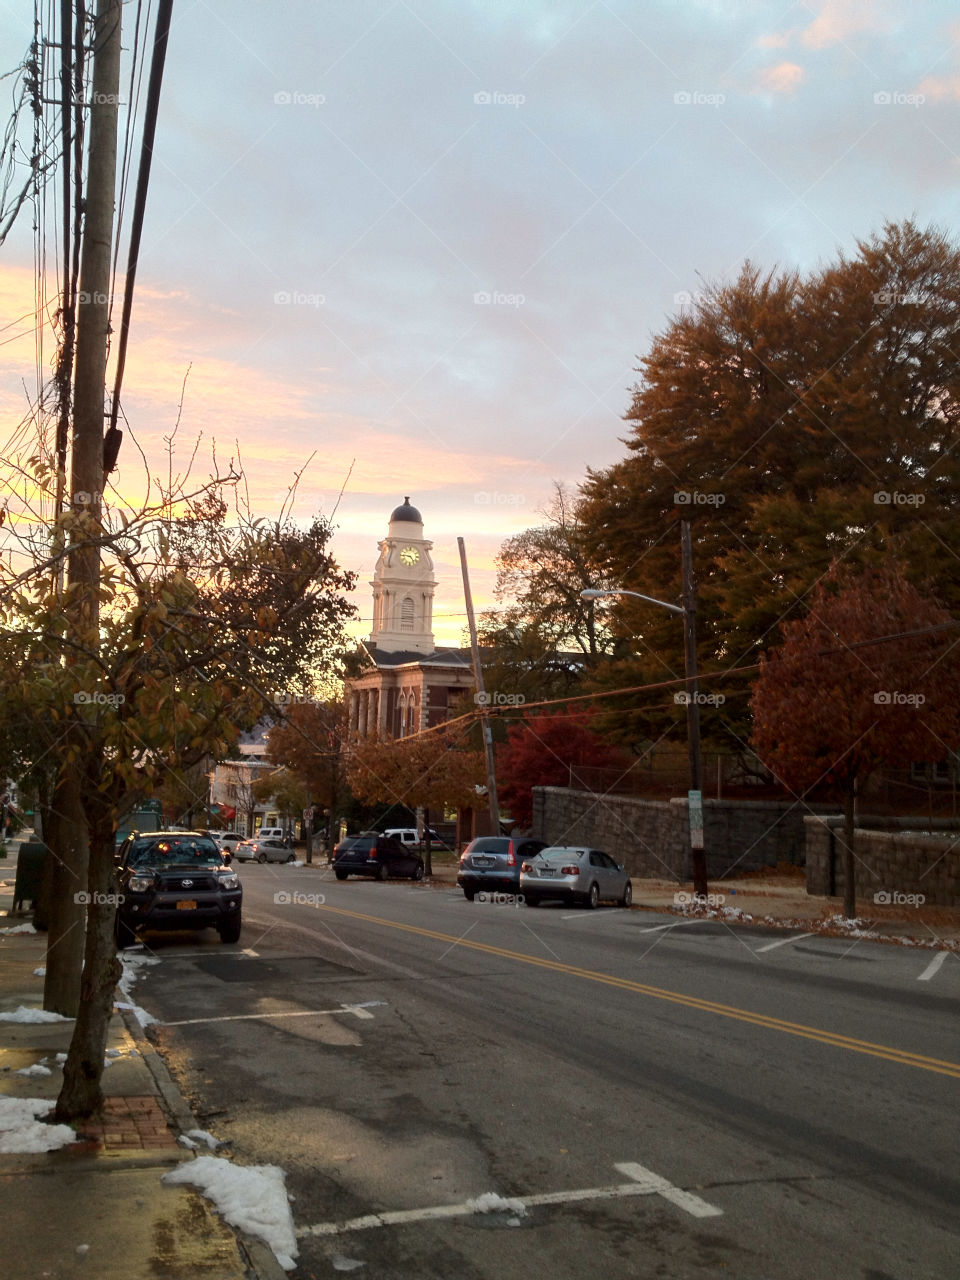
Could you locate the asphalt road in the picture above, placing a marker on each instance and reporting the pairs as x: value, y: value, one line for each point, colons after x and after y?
x: 668, y: 1099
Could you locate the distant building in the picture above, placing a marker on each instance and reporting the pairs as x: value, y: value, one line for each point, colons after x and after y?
x: 408, y: 683
x: 231, y: 784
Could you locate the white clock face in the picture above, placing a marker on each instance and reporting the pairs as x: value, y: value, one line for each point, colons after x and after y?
x: 409, y: 555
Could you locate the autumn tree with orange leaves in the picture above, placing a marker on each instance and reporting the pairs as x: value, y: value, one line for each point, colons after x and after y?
x: 838, y: 699
x: 428, y: 771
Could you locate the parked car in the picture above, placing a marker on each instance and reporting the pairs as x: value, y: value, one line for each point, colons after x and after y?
x: 176, y: 880
x: 275, y: 833
x: 493, y: 863
x: 371, y: 854
x: 410, y: 837
x: 227, y: 839
x: 588, y: 876
x: 260, y: 850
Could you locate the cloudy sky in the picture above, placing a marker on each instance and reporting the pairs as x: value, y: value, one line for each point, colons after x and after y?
x: 425, y: 241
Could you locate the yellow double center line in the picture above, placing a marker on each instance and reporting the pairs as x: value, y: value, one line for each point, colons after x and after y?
x: 674, y: 997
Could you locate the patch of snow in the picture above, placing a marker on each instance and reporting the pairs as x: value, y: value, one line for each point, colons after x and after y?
x: 23, y: 1014
x: 250, y: 1197
x: 341, y: 1263
x: 201, y: 1136
x: 114, y: 1053
x: 187, y: 1142
x: 490, y: 1202
x: 41, y: 972
x: 38, y: 1069
x: 82, y: 1249
x: 61, y: 1059
x: 20, y: 928
x: 22, y: 1132
x: 133, y: 966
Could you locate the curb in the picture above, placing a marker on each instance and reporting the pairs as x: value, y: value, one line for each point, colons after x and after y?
x: 257, y: 1256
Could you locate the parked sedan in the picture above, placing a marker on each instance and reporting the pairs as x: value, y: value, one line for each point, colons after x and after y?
x: 370, y: 854
x: 493, y: 863
x: 588, y: 876
x: 270, y: 850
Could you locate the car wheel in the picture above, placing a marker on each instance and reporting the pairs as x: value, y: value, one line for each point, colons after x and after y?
x: 341, y: 875
x: 418, y: 871
x: 383, y: 871
x: 124, y: 934
x: 531, y: 902
x: 261, y: 857
x: 229, y: 929
x: 291, y: 857
x: 627, y: 897
x: 469, y: 894
x: 593, y: 896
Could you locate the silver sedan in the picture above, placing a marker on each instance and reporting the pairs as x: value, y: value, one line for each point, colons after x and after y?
x: 269, y: 850
x: 574, y: 874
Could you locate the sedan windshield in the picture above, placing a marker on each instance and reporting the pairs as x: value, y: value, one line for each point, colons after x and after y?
x: 168, y: 851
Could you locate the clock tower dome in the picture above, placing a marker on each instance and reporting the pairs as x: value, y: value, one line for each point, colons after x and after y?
x: 403, y: 586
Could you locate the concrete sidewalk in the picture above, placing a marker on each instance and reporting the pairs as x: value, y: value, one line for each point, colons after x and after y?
x: 97, y: 1207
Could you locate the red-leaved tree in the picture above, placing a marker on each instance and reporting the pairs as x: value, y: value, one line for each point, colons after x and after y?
x: 546, y: 751
x: 831, y: 707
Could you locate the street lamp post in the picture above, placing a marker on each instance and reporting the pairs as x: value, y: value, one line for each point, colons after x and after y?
x: 689, y: 611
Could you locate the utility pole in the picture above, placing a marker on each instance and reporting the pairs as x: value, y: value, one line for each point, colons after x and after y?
x: 695, y: 793
x: 481, y: 697
x: 66, y: 942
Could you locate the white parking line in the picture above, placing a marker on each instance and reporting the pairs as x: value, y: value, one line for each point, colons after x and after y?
x: 933, y: 967
x: 358, y: 1010
x: 782, y: 942
x: 597, y: 915
x: 643, y: 1183
x: 657, y: 928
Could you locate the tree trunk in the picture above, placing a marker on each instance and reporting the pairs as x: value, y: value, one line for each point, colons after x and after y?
x: 81, y: 1095
x: 69, y: 855
x: 308, y: 828
x: 427, y: 853
x: 849, y: 816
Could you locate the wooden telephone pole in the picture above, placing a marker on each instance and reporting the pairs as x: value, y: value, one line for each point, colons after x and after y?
x: 66, y: 934
x: 481, y: 697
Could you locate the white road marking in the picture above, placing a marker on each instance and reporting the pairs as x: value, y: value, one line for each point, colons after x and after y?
x: 657, y: 928
x: 685, y: 1200
x: 248, y: 951
x: 596, y: 915
x: 782, y: 942
x: 933, y: 967
x: 643, y: 1182
x: 358, y: 1010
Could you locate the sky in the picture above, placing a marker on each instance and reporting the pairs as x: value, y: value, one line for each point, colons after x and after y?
x: 424, y: 243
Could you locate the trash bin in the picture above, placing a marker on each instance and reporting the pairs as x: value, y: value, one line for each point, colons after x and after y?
x: 31, y: 861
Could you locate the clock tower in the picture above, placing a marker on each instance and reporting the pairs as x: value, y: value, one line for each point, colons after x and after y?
x: 403, y: 586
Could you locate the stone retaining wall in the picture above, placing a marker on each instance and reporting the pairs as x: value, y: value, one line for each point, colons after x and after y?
x: 887, y: 862
x: 651, y: 837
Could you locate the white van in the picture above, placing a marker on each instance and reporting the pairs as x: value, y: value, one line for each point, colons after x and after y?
x: 409, y: 836
x: 271, y: 833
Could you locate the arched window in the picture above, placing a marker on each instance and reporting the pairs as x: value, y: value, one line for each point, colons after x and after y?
x: 406, y: 614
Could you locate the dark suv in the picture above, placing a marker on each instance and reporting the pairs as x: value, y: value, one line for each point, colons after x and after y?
x: 176, y: 880
x: 493, y: 863
x: 371, y: 854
